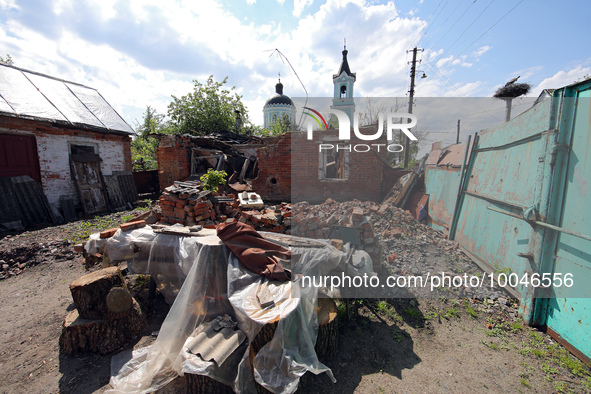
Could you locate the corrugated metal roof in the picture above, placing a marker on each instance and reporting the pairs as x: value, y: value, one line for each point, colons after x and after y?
x: 25, y: 93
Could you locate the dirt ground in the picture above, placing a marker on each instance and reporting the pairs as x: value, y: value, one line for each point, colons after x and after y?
x: 397, y: 345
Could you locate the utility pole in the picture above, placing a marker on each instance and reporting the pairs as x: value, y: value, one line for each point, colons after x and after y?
x: 458, y: 134
x: 413, y: 69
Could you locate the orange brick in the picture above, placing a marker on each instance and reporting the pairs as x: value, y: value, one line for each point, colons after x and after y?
x: 109, y: 233
x: 132, y: 225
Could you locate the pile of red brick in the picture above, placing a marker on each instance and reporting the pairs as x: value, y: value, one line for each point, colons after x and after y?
x: 188, y: 210
x: 316, y: 221
x: 275, y: 219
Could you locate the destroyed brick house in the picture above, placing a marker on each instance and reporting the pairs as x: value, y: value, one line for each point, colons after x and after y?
x: 285, y: 168
x: 61, y: 146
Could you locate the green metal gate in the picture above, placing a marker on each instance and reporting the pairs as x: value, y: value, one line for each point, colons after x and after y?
x: 568, y: 314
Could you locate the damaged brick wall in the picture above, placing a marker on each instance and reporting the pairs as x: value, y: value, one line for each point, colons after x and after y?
x: 53, y: 152
x: 273, y: 182
x: 290, y: 170
x: 174, y: 159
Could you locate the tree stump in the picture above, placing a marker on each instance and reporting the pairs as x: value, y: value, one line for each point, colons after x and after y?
x: 102, y: 336
x: 90, y: 292
x: 197, y: 384
x: 328, y: 331
x: 326, y: 342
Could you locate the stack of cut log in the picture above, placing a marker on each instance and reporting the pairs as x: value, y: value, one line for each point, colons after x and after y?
x: 106, y: 317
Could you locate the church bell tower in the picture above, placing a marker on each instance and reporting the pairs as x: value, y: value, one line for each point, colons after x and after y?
x: 343, y: 88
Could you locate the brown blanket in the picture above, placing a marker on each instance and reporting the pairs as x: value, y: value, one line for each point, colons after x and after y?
x: 256, y: 253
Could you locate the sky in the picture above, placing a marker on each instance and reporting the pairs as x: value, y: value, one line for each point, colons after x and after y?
x: 141, y: 52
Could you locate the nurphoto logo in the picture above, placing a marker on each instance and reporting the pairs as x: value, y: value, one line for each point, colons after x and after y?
x: 394, y: 122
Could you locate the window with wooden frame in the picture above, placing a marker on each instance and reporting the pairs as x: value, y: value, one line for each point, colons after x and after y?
x: 334, y: 163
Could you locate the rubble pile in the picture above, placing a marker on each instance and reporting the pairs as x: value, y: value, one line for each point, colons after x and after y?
x: 184, y: 203
x: 276, y: 218
x: 375, y: 223
x: 15, y: 260
x: 185, y: 209
x: 316, y: 221
x: 403, y: 245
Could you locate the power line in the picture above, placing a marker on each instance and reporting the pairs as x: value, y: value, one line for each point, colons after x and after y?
x: 437, y: 72
x: 443, y: 24
x: 464, y: 32
x: 487, y: 30
x: 282, y: 56
x: 427, y: 25
x: 455, y: 23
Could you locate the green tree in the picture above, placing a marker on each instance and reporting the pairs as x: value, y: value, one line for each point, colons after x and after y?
x: 152, y: 123
x: 209, y: 108
x: 7, y: 60
x: 143, y: 147
x: 279, y: 127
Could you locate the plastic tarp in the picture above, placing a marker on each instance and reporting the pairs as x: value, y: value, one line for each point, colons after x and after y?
x: 4, y: 107
x: 99, y: 107
x: 40, y: 96
x: 59, y: 95
x: 24, y: 97
x: 218, y: 284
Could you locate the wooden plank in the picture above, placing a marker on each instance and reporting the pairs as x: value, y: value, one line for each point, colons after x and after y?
x: 401, y: 198
x: 243, y: 171
x: 113, y: 190
x: 127, y: 185
x: 89, y: 183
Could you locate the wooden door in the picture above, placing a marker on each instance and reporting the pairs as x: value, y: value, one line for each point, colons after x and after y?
x: 18, y: 156
x: 88, y: 178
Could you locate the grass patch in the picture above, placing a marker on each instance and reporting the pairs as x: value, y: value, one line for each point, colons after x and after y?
x: 471, y: 312
x: 490, y: 345
x: 452, y: 313
x: 414, y: 313
x: 399, y: 335
x: 127, y: 218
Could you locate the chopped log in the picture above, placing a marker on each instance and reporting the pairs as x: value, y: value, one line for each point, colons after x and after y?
x: 328, y: 331
x: 197, y: 384
x: 90, y: 291
x: 102, y: 336
x: 264, y: 336
x: 326, y: 342
x: 119, y: 303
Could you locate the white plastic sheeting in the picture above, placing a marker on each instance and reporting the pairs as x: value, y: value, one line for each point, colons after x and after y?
x: 26, y: 93
x: 60, y: 96
x: 217, y: 284
x: 23, y: 97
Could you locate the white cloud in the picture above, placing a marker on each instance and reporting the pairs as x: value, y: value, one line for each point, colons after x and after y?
x: 562, y: 78
x: 299, y: 5
x: 8, y: 4
x: 251, y: 2
x: 453, y: 61
x: 480, y: 51
x: 140, y: 68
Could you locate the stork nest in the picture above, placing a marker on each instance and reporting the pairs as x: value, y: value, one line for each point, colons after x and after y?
x: 513, y: 90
